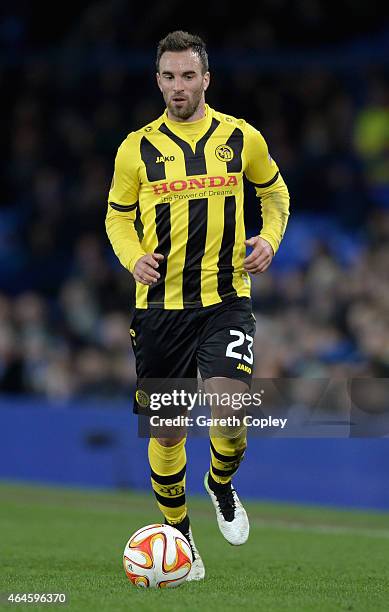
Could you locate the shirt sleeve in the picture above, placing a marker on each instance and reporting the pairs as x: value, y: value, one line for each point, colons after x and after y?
x: 124, y: 189
x: 260, y: 168
x: 270, y: 188
x: 123, y: 205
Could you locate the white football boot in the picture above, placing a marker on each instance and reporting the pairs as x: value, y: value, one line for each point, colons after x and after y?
x: 197, y: 571
x: 231, y: 516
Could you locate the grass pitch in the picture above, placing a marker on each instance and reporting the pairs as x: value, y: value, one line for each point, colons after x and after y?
x: 297, y: 558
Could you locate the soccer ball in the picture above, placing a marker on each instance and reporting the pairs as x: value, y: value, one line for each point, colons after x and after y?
x: 157, y: 556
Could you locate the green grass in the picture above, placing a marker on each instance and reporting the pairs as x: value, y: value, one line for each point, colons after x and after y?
x: 297, y: 558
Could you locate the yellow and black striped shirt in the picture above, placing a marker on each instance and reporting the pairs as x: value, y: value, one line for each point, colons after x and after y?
x: 184, y: 182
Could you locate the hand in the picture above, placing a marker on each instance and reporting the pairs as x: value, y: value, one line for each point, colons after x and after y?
x: 261, y: 256
x: 145, y: 268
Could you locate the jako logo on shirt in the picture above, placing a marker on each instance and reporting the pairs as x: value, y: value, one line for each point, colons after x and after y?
x: 195, y: 183
x: 161, y: 159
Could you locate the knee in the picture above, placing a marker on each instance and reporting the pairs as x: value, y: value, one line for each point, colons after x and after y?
x: 169, y: 441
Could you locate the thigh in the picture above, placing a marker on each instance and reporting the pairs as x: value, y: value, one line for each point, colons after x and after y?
x: 164, y: 344
x: 226, y: 342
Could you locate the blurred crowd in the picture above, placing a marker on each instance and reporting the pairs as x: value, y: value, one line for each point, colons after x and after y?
x: 64, y: 300
x: 326, y: 319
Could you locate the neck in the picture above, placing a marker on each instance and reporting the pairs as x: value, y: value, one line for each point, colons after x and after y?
x: 197, y: 115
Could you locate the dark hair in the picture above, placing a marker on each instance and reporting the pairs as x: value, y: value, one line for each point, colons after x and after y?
x: 181, y: 41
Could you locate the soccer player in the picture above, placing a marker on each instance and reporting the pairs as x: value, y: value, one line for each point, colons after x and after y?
x: 181, y: 176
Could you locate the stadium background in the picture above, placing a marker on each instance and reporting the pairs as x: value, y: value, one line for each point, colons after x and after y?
x: 75, y: 81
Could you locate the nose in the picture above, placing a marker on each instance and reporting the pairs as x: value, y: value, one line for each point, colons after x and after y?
x: 178, y: 85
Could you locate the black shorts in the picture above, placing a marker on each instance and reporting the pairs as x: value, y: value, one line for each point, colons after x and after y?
x: 217, y: 340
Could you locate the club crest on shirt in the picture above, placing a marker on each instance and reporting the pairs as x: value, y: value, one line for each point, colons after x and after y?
x: 224, y: 153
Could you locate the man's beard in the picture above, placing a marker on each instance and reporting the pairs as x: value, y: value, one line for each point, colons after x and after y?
x: 187, y: 110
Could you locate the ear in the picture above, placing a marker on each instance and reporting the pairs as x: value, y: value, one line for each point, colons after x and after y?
x: 158, y: 81
x: 206, y: 80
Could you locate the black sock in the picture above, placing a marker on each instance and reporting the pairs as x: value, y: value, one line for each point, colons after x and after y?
x: 217, y: 486
x: 183, y: 526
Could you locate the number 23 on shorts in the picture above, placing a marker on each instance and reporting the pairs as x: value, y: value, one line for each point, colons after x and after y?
x: 246, y: 353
